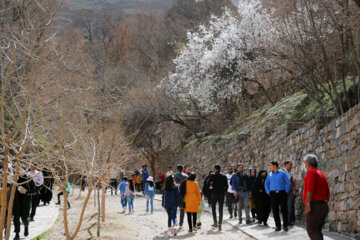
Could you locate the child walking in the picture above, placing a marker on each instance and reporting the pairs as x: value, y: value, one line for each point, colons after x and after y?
x: 149, y: 193
x: 130, y: 195
x: 122, y: 188
x: 61, y: 193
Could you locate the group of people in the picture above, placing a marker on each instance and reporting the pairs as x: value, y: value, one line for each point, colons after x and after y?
x: 128, y: 188
x: 32, y: 187
x: 256, y: 193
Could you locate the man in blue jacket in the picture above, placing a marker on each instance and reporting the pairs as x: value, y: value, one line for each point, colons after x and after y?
x: 144, y: 175
x: 122, y: 188
x: 277, y: 185
x: 241, y: 191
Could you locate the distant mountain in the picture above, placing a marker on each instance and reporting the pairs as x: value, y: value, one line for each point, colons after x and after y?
x: 121, y: 5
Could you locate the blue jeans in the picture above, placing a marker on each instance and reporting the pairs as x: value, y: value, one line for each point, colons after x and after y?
x: 149, y: 199
x: 130, y: 200
x: 171, y: 212
x: 243, y: 203
x: 123, y: 200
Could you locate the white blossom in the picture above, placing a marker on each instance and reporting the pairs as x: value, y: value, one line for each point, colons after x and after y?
x: 218, y: 56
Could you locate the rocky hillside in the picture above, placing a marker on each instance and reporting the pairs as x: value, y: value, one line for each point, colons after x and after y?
x: 73, y: 5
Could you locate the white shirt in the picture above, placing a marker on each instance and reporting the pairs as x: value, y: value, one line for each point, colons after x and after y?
x: 229, y: 176
x: 37, y: 177
x: 289, y: 175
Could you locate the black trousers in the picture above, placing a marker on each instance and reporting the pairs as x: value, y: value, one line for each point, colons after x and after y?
x: 279, y: 198
x: 230, y: 203
x: 217, y: 198
x: 83, y: 183
x: 209, y: 200
x: 113, y: 185
x: 182, y: 213
x: 191, y: 220
x: 21, y: 210
x: 35, y: 200
x: 59, y: 195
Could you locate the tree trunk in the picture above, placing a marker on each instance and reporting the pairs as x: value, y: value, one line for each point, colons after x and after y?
x: 82, y: 212
x: 10, y: 208
x: 80, y: 187
x: 103, y: 203
x: 66, y: 225
x: 99, y: 211
x: 4, y: 184
x: 94, y: 198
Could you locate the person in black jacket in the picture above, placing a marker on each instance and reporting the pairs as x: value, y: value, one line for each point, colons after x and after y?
x: 262, y: 200
x: 251, y: 180
x: 206, y: 191
x: 179, y: 178
x: 171, y: 201
x: 22, y: 203
x: 46, y: 189
x: 218, y: 186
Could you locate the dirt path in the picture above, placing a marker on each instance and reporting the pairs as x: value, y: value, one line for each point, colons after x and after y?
x: 137, y: 226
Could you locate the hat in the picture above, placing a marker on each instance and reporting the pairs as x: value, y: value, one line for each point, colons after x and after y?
x: 150, y: 179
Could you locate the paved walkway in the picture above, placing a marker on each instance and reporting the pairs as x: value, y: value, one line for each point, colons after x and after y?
x: 295, y: 232
x: 298, y: 231
x: 44, y: 219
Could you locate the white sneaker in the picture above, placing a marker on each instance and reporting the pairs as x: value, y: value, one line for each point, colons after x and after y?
x: 168, y: 233
x: 174, y: 230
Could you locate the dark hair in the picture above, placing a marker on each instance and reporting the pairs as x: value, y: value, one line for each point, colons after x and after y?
x: 286, y: 162
x: 275, y: 163
x: 151, y: 183
x: 131, y: 185
x: 124, y: 178
x: 192, y: 176
x: 169, y: 167
x: 239, y: 164
x: 259, y: 176
x: 217, y: 167
x: 179, y: 168
x: 169, y: 184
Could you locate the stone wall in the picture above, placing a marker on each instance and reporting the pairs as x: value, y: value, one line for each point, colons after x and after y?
x: 336, y: 143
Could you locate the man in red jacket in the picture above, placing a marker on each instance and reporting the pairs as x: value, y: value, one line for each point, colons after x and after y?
x: 160, y: 184
x: 316, y: 195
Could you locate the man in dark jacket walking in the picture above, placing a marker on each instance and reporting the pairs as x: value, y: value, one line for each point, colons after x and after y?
x: 206, y: 191
x: 22, y: 203
x: 179, y: 178
x: 218, y: 186
x: 239, y: 183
